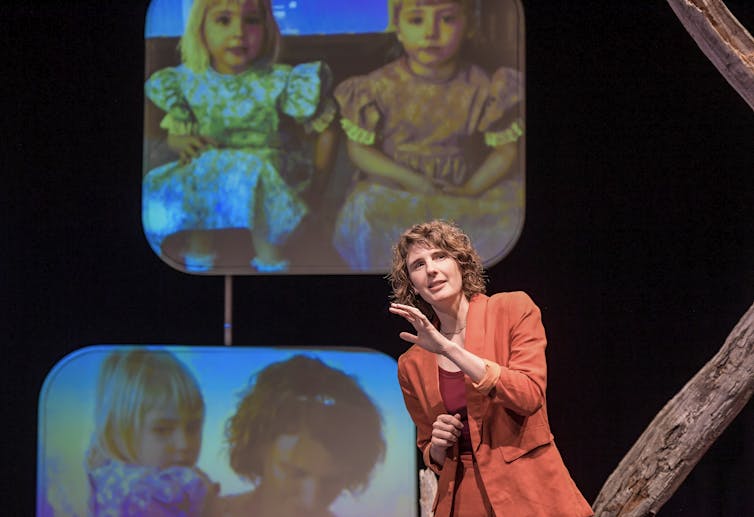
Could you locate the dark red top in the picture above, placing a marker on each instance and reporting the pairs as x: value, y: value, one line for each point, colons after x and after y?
x: 453, y: 392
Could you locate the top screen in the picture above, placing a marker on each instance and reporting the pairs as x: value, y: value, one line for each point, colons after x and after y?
x: 305, y: 136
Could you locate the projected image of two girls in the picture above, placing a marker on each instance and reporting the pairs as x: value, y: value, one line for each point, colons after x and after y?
x: 427, y: 135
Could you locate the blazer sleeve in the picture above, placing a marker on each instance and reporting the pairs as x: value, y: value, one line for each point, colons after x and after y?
x: 422, y: 420
x: 522, y: 382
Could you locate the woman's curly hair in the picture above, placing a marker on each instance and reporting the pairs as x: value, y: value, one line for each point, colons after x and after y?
x: 436, y: 234
x: 304, y: 395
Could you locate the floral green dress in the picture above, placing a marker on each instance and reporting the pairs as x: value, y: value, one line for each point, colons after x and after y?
x: 231, y: 184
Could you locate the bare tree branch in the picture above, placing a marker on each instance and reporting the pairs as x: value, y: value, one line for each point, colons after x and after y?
x: 683, y: 430
x: 723, y: 40
x: 690, y: 423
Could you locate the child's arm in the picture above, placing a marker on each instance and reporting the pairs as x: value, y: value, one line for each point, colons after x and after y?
x: 501, y: 111
x: 163, y: 88
x: 360, y: 116
x: 374, y: 161
x: 494, y: 168
x: 325, y: 150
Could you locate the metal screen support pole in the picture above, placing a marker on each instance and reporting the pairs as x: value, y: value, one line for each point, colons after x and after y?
x: 228, y: 322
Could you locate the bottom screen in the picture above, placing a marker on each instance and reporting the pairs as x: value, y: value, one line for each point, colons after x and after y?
x: 171, y: 430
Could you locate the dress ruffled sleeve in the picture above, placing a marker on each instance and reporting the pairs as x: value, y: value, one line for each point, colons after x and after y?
x: 163, y: 88
x: 307, y: 97
x: 360, y: 115
x: 501, y: 120
x: 133, y: 490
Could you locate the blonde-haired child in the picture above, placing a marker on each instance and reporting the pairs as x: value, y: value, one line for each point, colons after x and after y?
x: 433, y: 136
x: 225, y: 106
x: 148, y: 431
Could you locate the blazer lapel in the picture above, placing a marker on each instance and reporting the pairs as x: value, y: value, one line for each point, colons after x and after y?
x: 476, y: 334
x: 476, y: 325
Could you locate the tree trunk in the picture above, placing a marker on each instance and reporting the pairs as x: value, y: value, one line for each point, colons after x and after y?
x: 683, y: 430
x: 722, y: 39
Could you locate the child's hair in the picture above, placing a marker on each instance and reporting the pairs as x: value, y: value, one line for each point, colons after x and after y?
x: 304, y: 395
x: 474, y: 39
x: 194, y: 50
x: 132, y: 382
x: 469, y: 7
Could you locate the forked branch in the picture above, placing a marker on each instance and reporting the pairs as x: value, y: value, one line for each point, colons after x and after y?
x: 723, y: 40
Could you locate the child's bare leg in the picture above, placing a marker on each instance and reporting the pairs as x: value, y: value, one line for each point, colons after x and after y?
x: 199, y: 255
x: 268, y: 258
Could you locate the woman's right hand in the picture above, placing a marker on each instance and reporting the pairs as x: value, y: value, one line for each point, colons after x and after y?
x: 445, y: 433
x: 189, y: 147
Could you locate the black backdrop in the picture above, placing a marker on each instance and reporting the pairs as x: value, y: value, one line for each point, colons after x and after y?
x: 637, y: 244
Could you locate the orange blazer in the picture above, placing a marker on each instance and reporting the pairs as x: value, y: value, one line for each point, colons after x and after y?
x: 520, y: 466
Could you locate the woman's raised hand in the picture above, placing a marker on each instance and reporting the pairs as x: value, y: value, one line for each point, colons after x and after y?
x: 427, y: 336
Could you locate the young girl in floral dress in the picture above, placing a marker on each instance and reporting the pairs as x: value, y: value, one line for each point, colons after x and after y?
x: 224, y: 109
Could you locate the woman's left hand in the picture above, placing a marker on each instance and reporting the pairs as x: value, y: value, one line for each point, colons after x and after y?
x: 427, y: 336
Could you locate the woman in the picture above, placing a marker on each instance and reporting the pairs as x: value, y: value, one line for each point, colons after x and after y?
x: 474, y: 383
x: 302, y: 433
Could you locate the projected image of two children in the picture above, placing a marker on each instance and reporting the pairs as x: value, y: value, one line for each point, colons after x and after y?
x: 308, y: 150
x: 191, y: 431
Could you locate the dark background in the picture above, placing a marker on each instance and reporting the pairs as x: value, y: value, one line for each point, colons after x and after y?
x: 637, y: 244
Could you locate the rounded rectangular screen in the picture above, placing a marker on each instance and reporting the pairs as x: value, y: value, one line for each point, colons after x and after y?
x: 172, y: 430
x: 304, y: 137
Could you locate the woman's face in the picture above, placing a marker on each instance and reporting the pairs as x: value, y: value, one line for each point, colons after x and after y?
x: 234, y: 35
x: 431, y: 35
x: 300, y: 477
x: 435, y: 274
